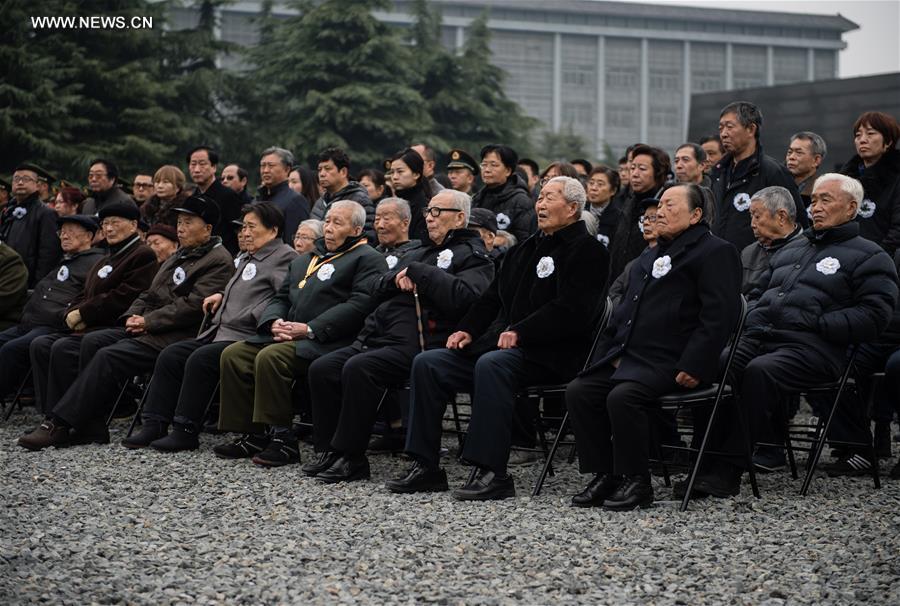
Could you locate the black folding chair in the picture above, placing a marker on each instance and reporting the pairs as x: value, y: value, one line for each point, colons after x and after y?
x: 16, y: 401
x: 713, y: 395
x: 140, y: 382
x: 559, y: 390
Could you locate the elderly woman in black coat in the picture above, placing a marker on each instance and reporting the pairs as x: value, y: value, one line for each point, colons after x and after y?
x: 675, y: 319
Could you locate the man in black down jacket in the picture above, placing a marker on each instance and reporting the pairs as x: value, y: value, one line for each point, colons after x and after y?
x: 504, y: 192
x: 447, y: 275
x: 533, y: 325
x: 826, y: 291
x: 674, y: 319
x: 46, y: 307
x: 743, y: 171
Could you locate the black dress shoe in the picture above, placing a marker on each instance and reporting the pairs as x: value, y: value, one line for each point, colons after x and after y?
x: 487, y: 486
x: 722, y: 483
x: 419, y: 478
x: 679, y: 488
x: 633, y: 492
x: 323, y: 461
x: 599, y: 489
x: 348, y: 468
x: 180, y: 439
x: 151, y: 430
x: 96, y: 432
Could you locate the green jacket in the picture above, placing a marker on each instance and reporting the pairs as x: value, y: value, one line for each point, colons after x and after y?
x: 13, y: 284
x: 334, y: 301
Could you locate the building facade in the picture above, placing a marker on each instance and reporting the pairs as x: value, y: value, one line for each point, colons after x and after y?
x: 613, y: 72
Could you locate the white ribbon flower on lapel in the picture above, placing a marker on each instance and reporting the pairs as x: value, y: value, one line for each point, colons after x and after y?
x: 545, y: 267
x: 63, y: 274
x: 866, y: 209
x: 604, y: 240
x: 444, y: 258
x: 20, y: 212
x: 178, y: 276
x: 391, y: 261
x: 104, y: 271
x: 503, y: 220
x: 828, y: 266
x: 249, y: 272
x: 741, y: 201
x: 325, y: 272
x: 662, y: 266
x: 237, y: 261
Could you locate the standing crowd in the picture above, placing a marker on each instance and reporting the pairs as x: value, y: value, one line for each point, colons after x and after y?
x: 369, y: 302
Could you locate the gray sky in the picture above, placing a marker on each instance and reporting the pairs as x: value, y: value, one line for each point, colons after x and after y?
x: 874, y: 48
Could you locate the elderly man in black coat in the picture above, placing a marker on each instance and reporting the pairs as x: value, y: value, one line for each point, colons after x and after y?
x: 430, y: 289
x: 533, y: 325
x: 674, y: 320
x: 825, y: 291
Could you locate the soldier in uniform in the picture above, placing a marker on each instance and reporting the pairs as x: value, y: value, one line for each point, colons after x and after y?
x: 462, y: 170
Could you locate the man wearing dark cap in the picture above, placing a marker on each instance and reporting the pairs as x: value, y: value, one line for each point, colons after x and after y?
x: 103, y: 181
x: 462, y: 170
x: 486, y: 223
x: 169, y: 311
x: 163, y: 239
x: 28, y: 226
x: 111, y: 286
x: 45, y: 183
x: 46, y: 307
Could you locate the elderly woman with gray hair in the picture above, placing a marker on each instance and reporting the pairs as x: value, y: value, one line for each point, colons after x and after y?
x: 773, y: 219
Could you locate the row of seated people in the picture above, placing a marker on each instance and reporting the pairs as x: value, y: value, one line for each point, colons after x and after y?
x: 444, y: 319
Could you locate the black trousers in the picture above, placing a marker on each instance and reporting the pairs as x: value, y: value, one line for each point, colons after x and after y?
x: 14, y: 360
x: 184, y: 380
x: 58, y: 358
x: 346, y: 386
x: 493, y: 379
x: 94, y: 392
x: 612, y: 420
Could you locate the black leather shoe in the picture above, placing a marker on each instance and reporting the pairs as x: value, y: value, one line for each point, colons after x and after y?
x: 722, y: 483
x: 486, y: 486
x: 244, y: 447
x: 348, y: 468
x: 151, y: 430
x: 633, y: 492
x: 599, y: 489
x: 419, y: 478
x: 95, y: 433
x: 322, y: 462
x: 180, y: 439
x: 680, y: 487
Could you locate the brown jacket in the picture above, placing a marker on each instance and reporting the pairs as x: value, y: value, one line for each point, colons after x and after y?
x: 114, y: 282
x: 171, y: 307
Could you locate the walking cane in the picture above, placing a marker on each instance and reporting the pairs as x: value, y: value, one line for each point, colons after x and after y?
x: 419, y: 319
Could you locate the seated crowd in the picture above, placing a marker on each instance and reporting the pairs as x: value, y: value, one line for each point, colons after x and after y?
x: 359, y: 303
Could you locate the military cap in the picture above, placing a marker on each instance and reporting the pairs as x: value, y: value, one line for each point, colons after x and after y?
x: 460, y: 159
x: 83, y: 220
x: 201, y: 206
x: 5, y: 185
x: 40, y: 172
x: 482, y: 217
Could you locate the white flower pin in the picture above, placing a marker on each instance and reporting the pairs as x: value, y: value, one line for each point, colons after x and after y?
x: 866, y: 209
x: 391, y: 261
x: 662, y: 266
x: 20, y: 212
x: 178, y: 276
x: 104, y: 271
x: 63, y: 274
x: 545, y: 267
x: 237, y: 261
x: 503, y: 220
x: 325, y: 272
x: 741, y: 201
x: 604, y: 240
x: 444, y: 258
x: 828, y: 266
x: 249, y: 272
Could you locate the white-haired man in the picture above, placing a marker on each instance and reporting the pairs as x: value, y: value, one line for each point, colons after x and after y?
x: 824, y: 291
x: 532, y: 325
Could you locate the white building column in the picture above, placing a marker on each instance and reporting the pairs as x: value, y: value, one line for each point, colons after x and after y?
x: 557, y: 82
x: 645, y: 89
x: 810, y: 64
x: 770, y: 66
x: 686, y: 90
x: 460, y: 39
x: 601, y: 96
x: 729, y: 66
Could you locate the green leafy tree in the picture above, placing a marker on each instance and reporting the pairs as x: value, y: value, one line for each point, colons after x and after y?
x: 338, y: 77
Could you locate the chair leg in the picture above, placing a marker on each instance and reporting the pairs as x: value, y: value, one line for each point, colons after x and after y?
x: 17, y: 398
x: 789, y: 447
x: 542, y: 439
x: 702, y: 450
x: 140, y: 409
x: 459, y: 435
x: 549, y: 462
x: 821, y: 438
x: 209, y: 404
x: 748, y: 447
x: 115, y: 407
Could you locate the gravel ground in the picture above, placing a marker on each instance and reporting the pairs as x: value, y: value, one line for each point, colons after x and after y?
x: 101, y: 524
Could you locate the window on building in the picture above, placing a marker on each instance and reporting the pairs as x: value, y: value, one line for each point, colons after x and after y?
x: 749, y: 66
x: 789, y: 65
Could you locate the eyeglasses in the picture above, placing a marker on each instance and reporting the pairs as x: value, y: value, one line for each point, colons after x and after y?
x: 23, y: 179
x: 647, y: 219
x: 435, y: 211
x: 305, y: 238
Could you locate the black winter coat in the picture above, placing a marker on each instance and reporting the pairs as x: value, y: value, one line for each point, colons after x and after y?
x: 352, y: 191
x: 826, y: 290
x: 418, y: 199
x: 628, y: 241
x: 49, y: 303
x: 755, y: 263
x: 733, y: 187
x: 512, y: 204
x: 608, y: 223
x: 879, y: 212
x: 677, y: 313
x: 449, y: 278
x: 294, y: 206
x: 549, y: 290
x: 30, y: 229
x: 229, y: 209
